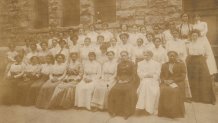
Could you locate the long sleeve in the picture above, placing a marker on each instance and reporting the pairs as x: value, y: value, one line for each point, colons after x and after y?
x: 140, y: 70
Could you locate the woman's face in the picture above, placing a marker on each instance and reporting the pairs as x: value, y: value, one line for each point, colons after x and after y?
x: 156, y: 30
x: 44, y: 46
x: 147, y: 56
x: 124, y: 28
x: 140, y: 42
x: 113, y: 42
x: 54, y: 42
x: 73, y: 57
x: 87, y: 42
x: 172, y: 25
x: 143, y: 30
x: 100, y: 40
x: 110, y: 56
x: 49, y: 59
x: 185, y: 17
x: 135, y: 28
x: 91, y: 57
x: 81, y: 31
x: 150, y: 38
x: 175, y: 34
x: 197, y: 18
x: 62, y: 44
x: 91, y: 28
x: 33, y: 47
x: 60, y: 59
x: 18, y: 59
x: 194, y: 36
x: 124, y: 56
x: 124, y: 38
x: 157, y: 42
x: 172, y: 57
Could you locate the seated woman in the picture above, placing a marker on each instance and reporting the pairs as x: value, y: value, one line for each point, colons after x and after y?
x: 64, y: 93
x: 172, y: 89
x: 57, y: 74
x: 109, y: 70
x: 84, y: 90
x: 122, y: 97
x: 14, y: 76
x: 31, y: 74
x: 148, y: 90
x: 44, y: 76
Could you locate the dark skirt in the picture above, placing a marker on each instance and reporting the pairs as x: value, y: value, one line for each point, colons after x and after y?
x: 200, y: 80
x: 122, y: 99
x: 45, y: 94
x: 34, y: 89
x: 9, y: 94
x: 63, y: 96
x: 171, y: 102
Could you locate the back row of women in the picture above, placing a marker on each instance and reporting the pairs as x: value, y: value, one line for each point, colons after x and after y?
x: 153, y: 72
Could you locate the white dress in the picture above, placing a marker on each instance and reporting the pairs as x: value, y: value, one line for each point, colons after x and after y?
x: 159, y: 54
x: 81, y: 39
x: 138, y: 53
x: 148, y: 90
x: 104, y: 85
x: 167, y: 36
x: 11, y: 55
x: 211, y: 62
x: 84, y: 90
x: 126, y: 47
x: 93, y: 36
x: 84, y: 51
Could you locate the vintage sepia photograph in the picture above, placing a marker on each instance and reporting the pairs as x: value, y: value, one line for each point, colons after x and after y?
x: 108, y: 61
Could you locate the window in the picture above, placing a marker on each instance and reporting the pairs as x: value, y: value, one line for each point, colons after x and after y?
x: 41, y: 9
x: 105, y: 10
x: 71, y: 12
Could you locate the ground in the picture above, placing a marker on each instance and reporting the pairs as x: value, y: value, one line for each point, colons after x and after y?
x: 195, y: 113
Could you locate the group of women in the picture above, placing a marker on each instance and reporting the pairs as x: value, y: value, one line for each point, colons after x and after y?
x: 152, y: 72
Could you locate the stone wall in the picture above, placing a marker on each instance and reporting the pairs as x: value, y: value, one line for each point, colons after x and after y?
x: 17, y: 16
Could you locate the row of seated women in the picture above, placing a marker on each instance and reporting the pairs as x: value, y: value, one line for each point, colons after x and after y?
x: 119, y: 87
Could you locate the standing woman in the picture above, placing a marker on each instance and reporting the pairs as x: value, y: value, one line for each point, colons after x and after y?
x: 63, y: 49
x: 122, y: 97
x: 85, y: 89
x: 172, y: 90
x: 202, y: 27
x: 150, y: 38
x: 85, y: 49
x: 43, y: 52
x: 138, y: 51
x: 198, y: 72
x: 185, y: 27
x: 56, y: 76
x: 125, y: 46
x: 114, y: 47
x: 64, y: 94
x: 92, y: 34
x: 102, y: 88
x: 148, y: 90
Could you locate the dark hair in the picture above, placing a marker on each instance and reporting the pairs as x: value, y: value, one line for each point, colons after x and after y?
x: 33, y: 57
x: 124, y: 51
x: 74, y: 36
x: 140, y: 39
x: 184, y: 14
x: 157, y: 38
x: 110, y: 52
x: 44, y: 43
x: 168, y: 53
x: 74, y: 53
x: 62, y: 55
x: 150, y: 34
x: 121, y: 25
x: 61, y: 41
x: 126, y: 34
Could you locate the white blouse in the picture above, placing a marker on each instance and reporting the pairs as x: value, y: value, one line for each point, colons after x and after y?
x: 159, y: 55
x: 109, y: 69
x: 198, y: 48
x: 202, y: 27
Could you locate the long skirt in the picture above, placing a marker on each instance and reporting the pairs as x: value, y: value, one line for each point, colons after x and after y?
x: 46, y: 93
x: 100, y: 95
x: 122, y: 99
x: 171, y: 102
x: 22, y: 91
x: 83, y: 94
x: 34, y: 90
x: 9, y: 92
x: 200, y: 80
x: 148, y: 95
x: 64, y: 95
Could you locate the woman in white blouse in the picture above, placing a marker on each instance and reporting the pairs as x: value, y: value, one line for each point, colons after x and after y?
x: 106, y: 82
x: 198, y: 73
x: 84, y: 50
x: 85, y: 89
x: 148, y: 90
x: 202, y: 27
x: 138, y: 51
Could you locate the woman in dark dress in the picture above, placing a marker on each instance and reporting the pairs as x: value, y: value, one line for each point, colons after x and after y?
x: 198, y: 72
x: 31, y: 74
x: 122, y: 97
x: 172, y: 88
x: 44, y: 76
